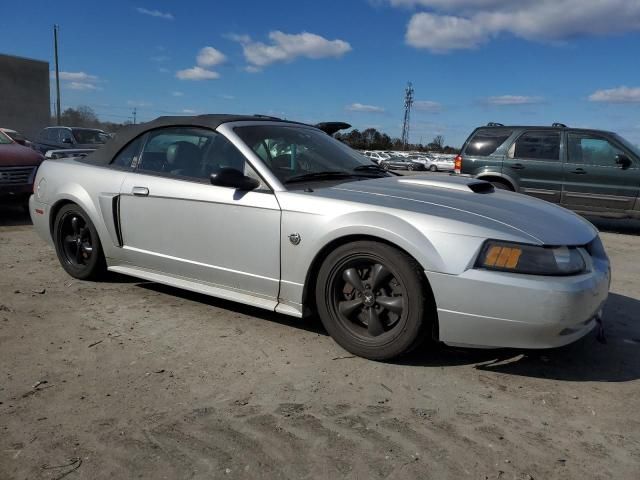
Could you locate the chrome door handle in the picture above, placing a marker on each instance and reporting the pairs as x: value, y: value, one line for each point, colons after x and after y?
x: 140, y: 191
x: 579, y: 171
x: 517, y: 166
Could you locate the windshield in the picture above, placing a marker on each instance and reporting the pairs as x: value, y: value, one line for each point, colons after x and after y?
x: 4, y: 138
x: 88, y: 136
x: 294, y: 151
x: 630, y: 146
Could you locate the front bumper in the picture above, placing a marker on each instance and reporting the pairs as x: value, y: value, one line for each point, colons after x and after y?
x: 483, y: 308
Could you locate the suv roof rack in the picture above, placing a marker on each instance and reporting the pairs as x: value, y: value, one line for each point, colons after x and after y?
x: 558, y: 125
x: 494, y: 124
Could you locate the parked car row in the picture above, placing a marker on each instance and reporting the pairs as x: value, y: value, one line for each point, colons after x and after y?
x: 434, y: 162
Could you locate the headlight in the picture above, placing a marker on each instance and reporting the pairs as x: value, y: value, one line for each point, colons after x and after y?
x: 530, y: 259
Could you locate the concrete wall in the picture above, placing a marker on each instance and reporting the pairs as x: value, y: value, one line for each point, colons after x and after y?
x: 24, y: 94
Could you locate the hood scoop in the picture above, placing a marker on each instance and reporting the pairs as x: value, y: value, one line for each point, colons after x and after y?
x: 471, y: 186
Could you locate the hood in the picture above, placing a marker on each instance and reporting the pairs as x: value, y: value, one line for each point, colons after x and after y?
x: 472, y: 202
x: 16, y: 155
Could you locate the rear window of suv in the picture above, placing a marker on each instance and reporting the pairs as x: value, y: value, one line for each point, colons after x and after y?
x: 487, y: 141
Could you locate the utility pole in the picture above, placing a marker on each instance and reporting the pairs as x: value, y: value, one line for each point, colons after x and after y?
x: 55, y: 48
x: 134, y: 115
x: 408, y: 103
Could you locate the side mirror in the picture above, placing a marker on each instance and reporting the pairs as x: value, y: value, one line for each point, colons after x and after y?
x: 233, y: 178
x: 623, y: 161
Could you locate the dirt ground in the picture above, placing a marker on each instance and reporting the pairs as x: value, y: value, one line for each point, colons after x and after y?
x: 129, y: 379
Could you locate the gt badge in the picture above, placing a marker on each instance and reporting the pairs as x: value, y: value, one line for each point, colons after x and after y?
x: 295, y: 238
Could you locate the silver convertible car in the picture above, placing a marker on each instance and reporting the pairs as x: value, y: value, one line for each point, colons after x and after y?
x: 282, y: 216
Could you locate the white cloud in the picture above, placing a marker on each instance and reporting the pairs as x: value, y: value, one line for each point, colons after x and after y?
x: 252, y: 69
x: 197, y: 73
x: 81, y: 86
x: 463, y: 24
x: 617, y: 95
x: 360, y: 107
x: 188, y: 110
x: 286, y: 47
x: 177, y: 94
x: 427, y: 106
x: 155, y: 13
x: 76, y: 76
x: 78, y: 80
x: 502, y: 100
x: 228, y: 97
x: 209, y: 56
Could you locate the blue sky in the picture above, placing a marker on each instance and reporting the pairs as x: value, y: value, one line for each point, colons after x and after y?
x: 471, y: 61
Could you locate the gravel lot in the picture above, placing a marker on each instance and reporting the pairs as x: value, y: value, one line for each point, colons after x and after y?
x: 129, y: 379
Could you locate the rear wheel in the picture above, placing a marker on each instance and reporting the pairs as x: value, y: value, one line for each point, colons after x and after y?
x: 371, y: 300
x: 411, y: 168
x: 433, y: 168
x: 77, y: 244
x: 384, y: 165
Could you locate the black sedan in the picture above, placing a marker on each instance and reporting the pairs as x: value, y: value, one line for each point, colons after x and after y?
x: 401, y: 163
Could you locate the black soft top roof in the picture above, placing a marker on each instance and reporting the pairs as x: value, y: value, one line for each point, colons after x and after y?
x: 105, y: 154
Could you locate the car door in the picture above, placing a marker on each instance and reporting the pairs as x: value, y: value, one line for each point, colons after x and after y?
x: 593, y: 181
x: 174, y: 221
x: 534, y: 161
x: 65, y: 138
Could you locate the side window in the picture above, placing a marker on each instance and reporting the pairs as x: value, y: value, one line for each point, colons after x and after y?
x: 486, y: 142
x: 128, y: 156
x: 64, y: 134
x: 537, y: 146
x: 192, y: 153
x: 592, y: 150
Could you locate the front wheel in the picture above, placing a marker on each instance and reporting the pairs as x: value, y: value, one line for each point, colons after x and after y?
x: 77, y: 244
x: 384, y: 165
x: 371, y: 299
x: 411, y: 168
x: 433, y: 168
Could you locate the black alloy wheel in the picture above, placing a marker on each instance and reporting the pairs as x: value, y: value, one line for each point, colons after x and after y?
x: 77, y: 243
x: 371, y: 299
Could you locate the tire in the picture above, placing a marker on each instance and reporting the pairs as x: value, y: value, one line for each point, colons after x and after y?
x: 433, y: 168
x: 77, y: 244
x: 498, y: 185
x: 355, y: 316
x: 411, y: 168
x: 384, y: 165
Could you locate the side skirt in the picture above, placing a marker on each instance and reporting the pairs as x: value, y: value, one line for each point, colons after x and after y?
x: 206, y: 289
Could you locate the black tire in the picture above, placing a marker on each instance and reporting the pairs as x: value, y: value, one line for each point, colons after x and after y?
x: 411, y: 168
x: 77, y: 244
x: 355, y: 316
x: 498, y: 185
x: 384, y: 165
x: 433, y: 168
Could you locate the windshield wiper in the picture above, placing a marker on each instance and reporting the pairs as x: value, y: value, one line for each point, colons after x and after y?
x: 318, y: 176
x: 370, y: 168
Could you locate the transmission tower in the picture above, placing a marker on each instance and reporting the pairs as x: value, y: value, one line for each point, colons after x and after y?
x: 408, y: 103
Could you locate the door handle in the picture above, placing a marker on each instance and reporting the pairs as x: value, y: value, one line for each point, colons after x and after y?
x: 579, y: 171
x: 140, y: 191
x: 517, y: 166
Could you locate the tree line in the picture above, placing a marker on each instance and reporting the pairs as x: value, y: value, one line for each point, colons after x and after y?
x: 372, y: 139
x: 84, y: 116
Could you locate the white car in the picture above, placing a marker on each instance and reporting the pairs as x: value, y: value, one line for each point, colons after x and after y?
x: 378, y: 156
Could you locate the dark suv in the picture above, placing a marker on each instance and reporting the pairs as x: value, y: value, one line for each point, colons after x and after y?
x: 590, y: 171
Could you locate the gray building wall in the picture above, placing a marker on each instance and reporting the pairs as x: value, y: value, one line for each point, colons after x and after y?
x: 24, y: 94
